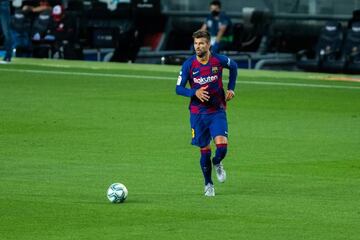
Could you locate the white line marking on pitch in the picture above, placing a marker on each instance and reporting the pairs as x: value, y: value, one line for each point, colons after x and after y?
x: 174, y: 78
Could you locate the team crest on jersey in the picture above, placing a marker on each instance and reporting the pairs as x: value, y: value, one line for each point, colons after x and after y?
x: 214, y: 70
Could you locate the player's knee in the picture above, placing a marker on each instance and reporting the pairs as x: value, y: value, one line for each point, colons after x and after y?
x: 205, y: 153
x: 205, y: 149
x: 221, y: 140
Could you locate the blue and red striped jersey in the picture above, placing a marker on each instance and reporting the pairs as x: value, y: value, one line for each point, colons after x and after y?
x: 209, y: 74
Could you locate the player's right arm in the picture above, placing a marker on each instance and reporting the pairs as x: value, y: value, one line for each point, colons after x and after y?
x: 181, y: 88
x: 183, y: 78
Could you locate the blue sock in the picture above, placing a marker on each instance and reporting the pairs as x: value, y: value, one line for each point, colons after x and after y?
x: 205, y: 163
x: 220, y: 153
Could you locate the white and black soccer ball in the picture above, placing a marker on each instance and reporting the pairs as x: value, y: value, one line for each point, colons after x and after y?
x: 117, y: 193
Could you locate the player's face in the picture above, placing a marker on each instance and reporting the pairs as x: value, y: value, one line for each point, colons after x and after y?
x: 201, y: 46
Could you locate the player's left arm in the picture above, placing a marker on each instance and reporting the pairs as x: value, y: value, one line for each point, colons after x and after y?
x: 232, y: 66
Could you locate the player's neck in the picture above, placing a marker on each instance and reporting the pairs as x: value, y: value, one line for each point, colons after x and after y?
x: 204, y: 59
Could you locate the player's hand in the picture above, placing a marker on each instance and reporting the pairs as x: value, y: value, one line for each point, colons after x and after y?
x: 202, y: 95
x: 229, y: 95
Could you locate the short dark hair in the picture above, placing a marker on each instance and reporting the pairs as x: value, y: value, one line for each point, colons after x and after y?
x: 201, y: 34
x: 216, y: 3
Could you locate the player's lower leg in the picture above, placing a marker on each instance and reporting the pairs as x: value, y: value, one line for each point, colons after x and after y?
x: 221, y: 150
x: 205, y: 164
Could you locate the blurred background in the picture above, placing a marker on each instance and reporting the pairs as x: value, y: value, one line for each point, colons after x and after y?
x: 311, y: 35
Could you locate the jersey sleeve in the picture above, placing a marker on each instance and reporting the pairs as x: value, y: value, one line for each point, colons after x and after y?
x: 230, y: 64
x: 182, y: 81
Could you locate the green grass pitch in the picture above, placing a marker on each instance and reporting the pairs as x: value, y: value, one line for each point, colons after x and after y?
x: 70, y: 129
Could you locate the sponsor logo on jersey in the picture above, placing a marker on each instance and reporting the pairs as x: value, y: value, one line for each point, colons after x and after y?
x: 204, y: 80
x: 195, y: 72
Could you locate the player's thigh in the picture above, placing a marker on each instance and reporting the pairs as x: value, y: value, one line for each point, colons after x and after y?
x: 219, y: 127
x: 200, y: 133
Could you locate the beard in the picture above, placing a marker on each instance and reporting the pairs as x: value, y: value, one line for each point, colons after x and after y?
x: 200, y: 53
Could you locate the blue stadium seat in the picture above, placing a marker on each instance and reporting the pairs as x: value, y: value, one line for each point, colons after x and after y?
x: 41, y: 47
x: 327, y: 51
x: 352, y: 49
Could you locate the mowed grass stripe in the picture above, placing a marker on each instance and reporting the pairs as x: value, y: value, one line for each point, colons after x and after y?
x: 293, y: 169
x: 116, y: 75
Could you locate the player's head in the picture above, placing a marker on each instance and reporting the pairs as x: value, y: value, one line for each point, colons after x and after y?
x: 215, y: 7
x: 201, y: 42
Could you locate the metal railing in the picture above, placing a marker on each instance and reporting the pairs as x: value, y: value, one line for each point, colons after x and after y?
x: 277, y: 16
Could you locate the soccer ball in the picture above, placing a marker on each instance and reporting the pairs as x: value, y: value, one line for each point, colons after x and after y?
x: 117, y: 193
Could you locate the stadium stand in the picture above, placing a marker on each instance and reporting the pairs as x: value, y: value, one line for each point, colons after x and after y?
x: 337, y: 51
x: 21, y: 26
x: 153, y: 31
x: 327, y: 50
x: 351, y: 49
x: 40, y: 28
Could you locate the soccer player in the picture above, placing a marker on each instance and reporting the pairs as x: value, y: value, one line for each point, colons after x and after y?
x: 207, y: 107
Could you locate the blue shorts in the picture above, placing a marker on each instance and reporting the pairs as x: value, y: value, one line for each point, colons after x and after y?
x: 205, y: 127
